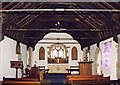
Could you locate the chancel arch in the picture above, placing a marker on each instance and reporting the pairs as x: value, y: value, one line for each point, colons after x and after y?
x: 58, y: 52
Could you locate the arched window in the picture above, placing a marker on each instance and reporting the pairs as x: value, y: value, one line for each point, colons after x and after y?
x: 58, y: 54
x: 41, y: 53
x: 74, y: 53
x: 58, y: 51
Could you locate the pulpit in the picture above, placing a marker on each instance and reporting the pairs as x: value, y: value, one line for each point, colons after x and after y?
x: 85, y: 68
x: 85, y: 74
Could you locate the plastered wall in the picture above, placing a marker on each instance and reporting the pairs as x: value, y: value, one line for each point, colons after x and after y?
x: 7, y: 54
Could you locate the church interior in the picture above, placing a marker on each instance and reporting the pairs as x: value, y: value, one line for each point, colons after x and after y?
x: 59, y: 42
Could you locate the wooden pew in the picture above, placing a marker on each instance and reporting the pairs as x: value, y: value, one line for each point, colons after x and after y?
x: 95, y: 82
x: 35, y: 78
x: 21, y: 83
x: 71, y: 78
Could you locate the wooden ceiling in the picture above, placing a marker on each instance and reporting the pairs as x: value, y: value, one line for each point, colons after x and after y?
x: 87, y: 22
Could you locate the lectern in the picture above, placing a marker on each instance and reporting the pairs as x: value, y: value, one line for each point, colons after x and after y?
x: 16, y: 65
x: 85, y: 68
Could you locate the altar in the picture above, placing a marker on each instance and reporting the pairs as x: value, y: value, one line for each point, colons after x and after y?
x: 57, y: 68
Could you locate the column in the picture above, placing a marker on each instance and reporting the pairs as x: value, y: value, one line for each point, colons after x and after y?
x: 118, y: 58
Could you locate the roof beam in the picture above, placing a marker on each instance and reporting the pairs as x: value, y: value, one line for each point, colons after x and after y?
x: 81, y: 38
x: 62, y: 29
x: 60, y: 9
x: 61, y: 1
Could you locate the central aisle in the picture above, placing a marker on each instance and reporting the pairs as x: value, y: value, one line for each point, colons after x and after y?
x: 54, y: 79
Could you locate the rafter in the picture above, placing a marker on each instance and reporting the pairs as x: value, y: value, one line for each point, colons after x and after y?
x: 29, y: 22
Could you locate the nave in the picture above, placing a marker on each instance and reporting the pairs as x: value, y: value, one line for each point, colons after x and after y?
x: 60, y: 36
x: 40, y: 77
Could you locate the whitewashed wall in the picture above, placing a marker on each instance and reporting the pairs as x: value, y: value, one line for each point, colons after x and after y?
x: 93, y: 58
x: 36, y: 56
x: 8, y: 53
x: 113, y: 69
x: 114, y: 60
x: 80, y: 55
x: 114, y: 72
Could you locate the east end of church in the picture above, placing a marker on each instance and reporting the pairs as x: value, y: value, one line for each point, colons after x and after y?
x: 58, y: 52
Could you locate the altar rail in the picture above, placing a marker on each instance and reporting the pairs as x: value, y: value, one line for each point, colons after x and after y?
x: 73, y: 68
